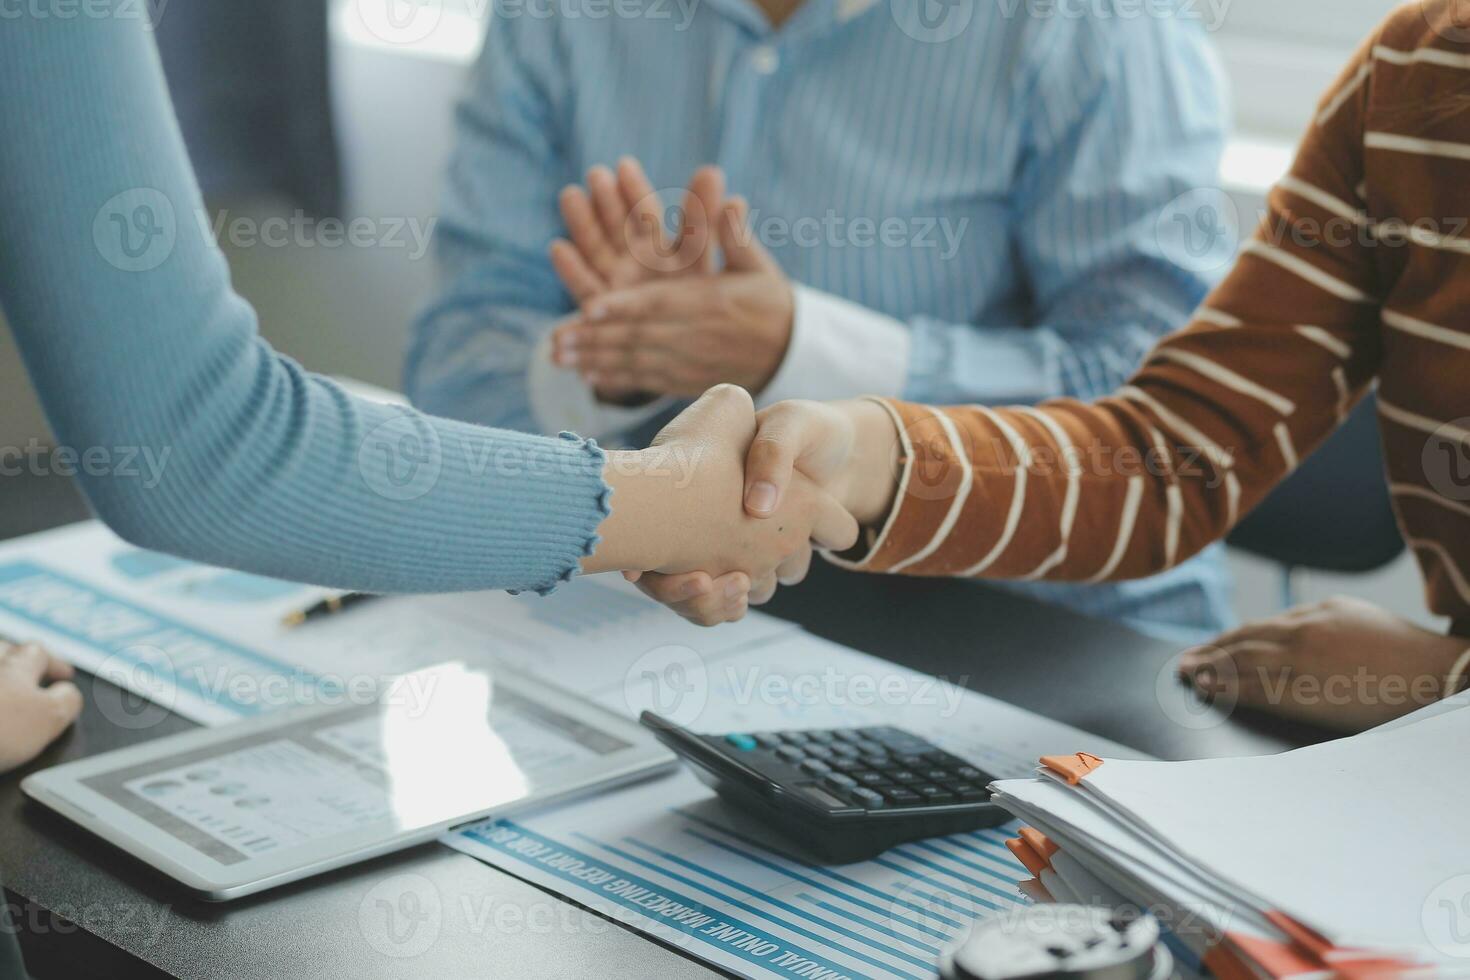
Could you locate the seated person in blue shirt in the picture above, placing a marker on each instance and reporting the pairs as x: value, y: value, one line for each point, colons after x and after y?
x: 976, y: 209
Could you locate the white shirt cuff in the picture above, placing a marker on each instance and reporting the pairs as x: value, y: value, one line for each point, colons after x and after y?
x: 562, y: 401
x: 839, y: 349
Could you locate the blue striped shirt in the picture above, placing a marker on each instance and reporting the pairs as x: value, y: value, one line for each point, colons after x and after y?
x: 995, y: 177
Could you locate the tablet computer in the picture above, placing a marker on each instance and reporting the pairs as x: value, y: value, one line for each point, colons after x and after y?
x: 235, y: 810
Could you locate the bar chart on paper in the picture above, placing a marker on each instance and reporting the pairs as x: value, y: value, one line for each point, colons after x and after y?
x: 688, y: 876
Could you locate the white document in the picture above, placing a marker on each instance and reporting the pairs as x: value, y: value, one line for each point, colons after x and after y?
x: 209, y: 644
x: 1280, y: 828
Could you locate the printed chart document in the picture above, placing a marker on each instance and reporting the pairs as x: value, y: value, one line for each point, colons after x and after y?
x: 664, y: 857
x: 209, y: 644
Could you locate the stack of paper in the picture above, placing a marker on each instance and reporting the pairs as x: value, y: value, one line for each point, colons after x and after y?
x: 1347, y: 859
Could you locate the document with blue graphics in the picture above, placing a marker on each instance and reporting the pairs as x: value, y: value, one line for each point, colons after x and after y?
x: 669, y: 859
x: 209, y: 643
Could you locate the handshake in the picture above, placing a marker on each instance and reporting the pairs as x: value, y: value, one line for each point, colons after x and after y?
x: 727, y: 503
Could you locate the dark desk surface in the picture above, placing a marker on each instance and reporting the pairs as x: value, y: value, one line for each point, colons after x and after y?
x: 135, y: 924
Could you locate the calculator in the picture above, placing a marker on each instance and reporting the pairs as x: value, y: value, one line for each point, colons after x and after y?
x: 844, y: 794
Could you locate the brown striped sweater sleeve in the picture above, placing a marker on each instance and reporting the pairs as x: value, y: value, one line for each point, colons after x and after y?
x: 1224, y: 409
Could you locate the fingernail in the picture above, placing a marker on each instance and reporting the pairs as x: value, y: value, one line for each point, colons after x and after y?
x: 761, y: 497
x: 691, y: 589
x: 734, y: 588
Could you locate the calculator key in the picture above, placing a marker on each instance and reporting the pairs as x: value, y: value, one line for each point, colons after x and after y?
x: 820, y: 736
x: 904, y: 776
x: 912, y: 761
x: 795, y: 738
x: 870, y: 778
x: 877, y: 732
x: 837, y: 780
x: 937, y: 758
x: 869, y: 747
x: 768, y: 740
x: 938, y: 775
x: 846, y: 765
x: 817, y: 751
x: 902, y: 795
x: 791, y: 753
x: 969, y: 772
x: 969, y: 793
x: 847, y: 735
x: 845, y: 748
x: 934, y: 794
x: 815, y: 766
x: 868, y: 798
x: 744, y: 743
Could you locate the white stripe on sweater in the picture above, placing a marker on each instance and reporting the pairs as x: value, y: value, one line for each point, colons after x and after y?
x: 1218, y: 317
x: 1344, y: 394
x: 1411, y: 144
x: 1423, y: 423
x: 1018, y: 498
x: 1424, y: 493
x: 962, y: 493
x: 1432, y: 56
x: 1188, y: 434
x: 1389, y: 229
x: 1425, y: 330
x: 1174, y: 495
x: 1307, y: 271
x: 1322, y: 199
x: 1324, y: 339
x: 1074, y: 492
x: 1222, y: 375
x: 1126, y: 523
x: 1347, y: 92
x: 1288, y: 448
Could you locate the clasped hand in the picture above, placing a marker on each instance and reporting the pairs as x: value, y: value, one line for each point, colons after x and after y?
x: 656, y: 317
x: 727, y: 504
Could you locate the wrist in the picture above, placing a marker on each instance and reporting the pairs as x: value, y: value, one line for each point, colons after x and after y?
x: 632, y: 538
x: 869, y: 482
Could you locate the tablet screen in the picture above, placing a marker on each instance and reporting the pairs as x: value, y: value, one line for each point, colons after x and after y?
x: 381, y: 764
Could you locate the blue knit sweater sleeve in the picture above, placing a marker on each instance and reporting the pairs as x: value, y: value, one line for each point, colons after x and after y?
x: 123, y: 312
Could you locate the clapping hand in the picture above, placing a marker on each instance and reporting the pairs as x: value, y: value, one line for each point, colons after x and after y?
x: 657, y: 317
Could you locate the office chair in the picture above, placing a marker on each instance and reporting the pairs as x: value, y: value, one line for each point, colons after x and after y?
x: 1333, y: 514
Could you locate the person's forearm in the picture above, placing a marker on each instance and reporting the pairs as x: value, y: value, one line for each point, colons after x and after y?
x: 122, y: 310
x: 632, y: 537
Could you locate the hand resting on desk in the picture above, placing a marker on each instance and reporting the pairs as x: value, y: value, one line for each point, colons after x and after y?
x: 37, y: 702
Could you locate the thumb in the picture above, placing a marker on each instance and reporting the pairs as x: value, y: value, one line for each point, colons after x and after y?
x: 66, y: 701
x: 780, y: 440
x: 743, y: 251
